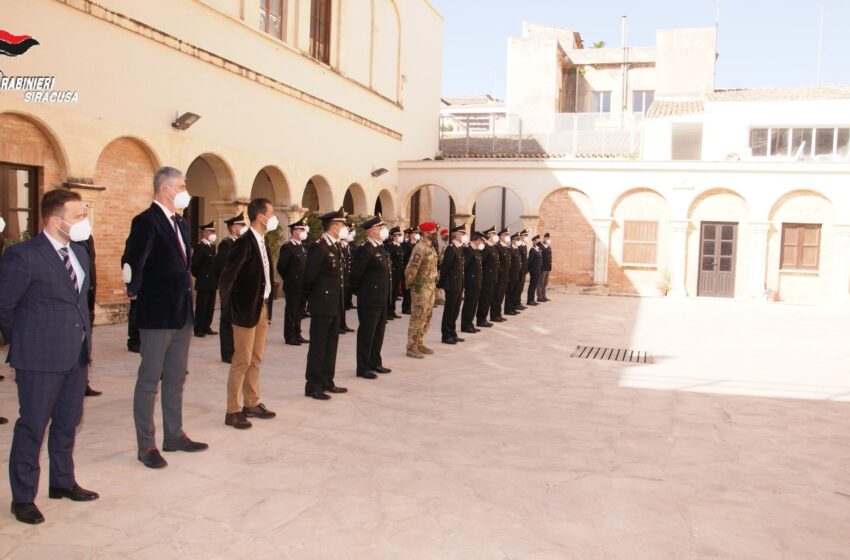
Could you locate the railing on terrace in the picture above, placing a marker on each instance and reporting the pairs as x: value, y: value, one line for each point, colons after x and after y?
x: 554, y: 135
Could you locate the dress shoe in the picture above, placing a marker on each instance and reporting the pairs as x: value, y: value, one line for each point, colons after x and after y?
x: 210, y: 332
x: 449, y: 341
x: 425, y: 350
x: 544, y: 299
x: 227, y: 360
x: 405, y: 312
x: 293, y: 343
x: 259, y: 411
x: 303, y: 340
x: 414, y: 354
x: 184, y: 444
x: 532, y: 303
x: 346, y: 328
x: 75, y: 494
x: 306, y: 315
x: 395, y: 315
x: 337, y: 390
x: 390, y: 318
x: 4, y: 420
x: 152, y: 459
x: 318, y: 395
x: 469, y: 330
x: 200, y: 334
x: 27, y: 513
x: 459, y: 339
x: 134, y: 347
x: 92, y: 393
x: 237, y: 419
x: 367, y: 375
x: 485, y: 324
x: 499, y: 319
x: 382, y: 369
x: 511, y: 313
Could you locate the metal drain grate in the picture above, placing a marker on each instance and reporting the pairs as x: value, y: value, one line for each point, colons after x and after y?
x: 612, y: 354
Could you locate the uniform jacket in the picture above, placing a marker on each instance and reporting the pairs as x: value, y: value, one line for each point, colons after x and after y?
x: 291, y: 264
x: 203, y: 267
x: 323, y: 278
x: 472, y: 259
x: 452, y: 269
x: 371, y: 275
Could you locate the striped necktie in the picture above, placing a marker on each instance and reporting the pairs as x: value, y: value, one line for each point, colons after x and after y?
x: 69, y: 268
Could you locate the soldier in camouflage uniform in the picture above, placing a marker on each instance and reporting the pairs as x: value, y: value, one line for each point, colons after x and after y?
x: 421, y: 276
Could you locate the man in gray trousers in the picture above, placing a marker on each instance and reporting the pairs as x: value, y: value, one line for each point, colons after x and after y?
x: 156, y: 270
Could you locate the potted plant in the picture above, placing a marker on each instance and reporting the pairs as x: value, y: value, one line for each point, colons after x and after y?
x: 664, y: 285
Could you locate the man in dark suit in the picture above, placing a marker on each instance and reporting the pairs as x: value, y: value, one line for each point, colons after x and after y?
x: 92, y: 296
x: 411, y: 239
x: 489, y: 277
x: 206, y: 281
x: 522, y: 244
x: 44, y: 284
x: 451, y: 281
x: 395, y: 252
x: 235, y: 226
x: 323, y: 288
x: 471, y: 282
x: 246, y: 285
x: 546, y: 269
x: 504, y: 276
x: 157, y: 255
x: 535, y: 265
x: 291, y: 263
x: 371, y: 276
x: 513, y: 275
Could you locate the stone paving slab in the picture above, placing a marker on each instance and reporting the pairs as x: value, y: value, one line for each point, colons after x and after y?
x: 734, y: 444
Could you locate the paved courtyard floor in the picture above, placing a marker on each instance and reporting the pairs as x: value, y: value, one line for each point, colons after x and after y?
x: 734, y: 444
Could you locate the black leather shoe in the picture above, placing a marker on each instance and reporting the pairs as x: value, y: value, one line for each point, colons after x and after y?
x: 318, y: 395
x: 293, y: 343
x: 227, y: 360
x: 337, y: 390
x: 260, y: 411
x: 303, y: 340
x: 459, y: 339
x: 532, y: 303
x: 469, y: 330
x: 367, y: 375
x: 134, y: 347
x: 342, y: 331
x: 4, y: 420
x: 210, y: 332
x: 184, y: 444
x: 346, y: 328
x: 449, y: 341
x: 485, y: 324
x: 511, y: 313
x: 520, y: 307
x: 200, y: 334
x: 382, y: 369
x: 27, y: 513
x: 390, y: 318
x: 75, y: 494
x: 499, y: 319
x: 152, y: 459
x: 395, y: 315
x: 92, y: 393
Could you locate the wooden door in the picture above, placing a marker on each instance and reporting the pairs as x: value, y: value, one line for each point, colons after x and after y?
x: 718, y: 246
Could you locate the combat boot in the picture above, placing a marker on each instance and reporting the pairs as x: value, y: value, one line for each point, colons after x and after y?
x: 414, y: 354
x: 425, y: 350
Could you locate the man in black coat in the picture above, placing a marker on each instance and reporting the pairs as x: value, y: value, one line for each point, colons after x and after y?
x: 246, y: 286
x: 489, y: 277
x: 235, y: 227
x: 324, y: 285
x: 156, y: 256
x: 370, y: 280
x: 513, y: 275
x: 206, y: 281
x: 346, y: 250
x: 535, y: 265
x: 504, y: 276
x: 543, y: 281
x: 451, y: 281
x: 291, y: 262
x: 471, y: 282
x: 522, y: 244
x: 410, y: 240
x: 395, y: 252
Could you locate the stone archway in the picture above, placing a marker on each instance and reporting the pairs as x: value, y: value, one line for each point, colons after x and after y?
x: 209, y: 179
x: 498, y: 206
x: 429, y: 203
x: 385, y: 205
x: 354, y: 201
x: 318, y: 196
x: 271, y: 183
x: 567, y: 214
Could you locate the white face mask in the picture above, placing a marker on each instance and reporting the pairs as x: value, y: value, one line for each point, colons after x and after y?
x: 548, y: 242
x: 351, y: 237
x: 396, y: 239
x: 244, y: 230
x: 385, y: 233
x: 481, y: 246
x: 306, y: 229
x: 79, y: 231
x: 343, y: 233
x: 272, y: 224
x: 2, y: 225
x: 506, y: 239
x: 302, y: 235
x: 464, y: 239
x: 181, y: 199
x: 416, y: 237
x: 212, y: 238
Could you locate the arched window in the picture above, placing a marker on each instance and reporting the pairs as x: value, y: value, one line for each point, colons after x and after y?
x: 320, y: 30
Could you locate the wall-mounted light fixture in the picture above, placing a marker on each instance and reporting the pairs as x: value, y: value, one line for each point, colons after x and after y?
x: 185, y: 120
x: 378, y: 172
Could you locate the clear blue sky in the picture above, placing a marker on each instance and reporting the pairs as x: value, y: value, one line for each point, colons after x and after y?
x: 762, y: 43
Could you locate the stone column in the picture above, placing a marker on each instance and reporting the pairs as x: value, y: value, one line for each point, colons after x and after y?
x: 758, y: 258
x: 462, y: 220
x: 530, y: 223
x: 602, y: 227
x: 841, y: 278
x: 288, y: 215
x: 226, y: 209
x: 678, y: 260
x: 89, y: 193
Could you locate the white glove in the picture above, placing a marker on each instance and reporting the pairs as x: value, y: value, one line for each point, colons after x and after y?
x: 126, y: 274
x: 2, y: 224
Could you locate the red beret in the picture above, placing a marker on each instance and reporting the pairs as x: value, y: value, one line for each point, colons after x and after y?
x: 444, y: 231
x: 428, y: 227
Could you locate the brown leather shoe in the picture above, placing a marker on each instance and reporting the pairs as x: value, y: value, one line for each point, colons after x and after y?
x: 237, y: 420
x: 259, y: 411
x: 425, y: 350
